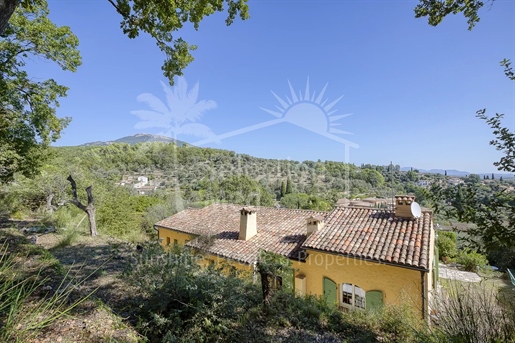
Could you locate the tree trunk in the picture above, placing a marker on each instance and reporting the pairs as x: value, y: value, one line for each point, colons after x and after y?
x: 266, y: 287
x: 7, y: 8
x: 50, y: 208
x: 92, y: 221
x: 89, y: 209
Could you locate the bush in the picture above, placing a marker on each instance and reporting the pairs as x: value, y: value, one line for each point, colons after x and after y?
x: 156, y: 213
x: 446, y: 243
x: 184, y: 302
x: 471, y: 260
x: 473, y: 313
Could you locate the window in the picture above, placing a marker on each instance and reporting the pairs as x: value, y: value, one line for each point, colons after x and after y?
x: 353, y: 296
x: 167, y: 240
x: 175, y: 242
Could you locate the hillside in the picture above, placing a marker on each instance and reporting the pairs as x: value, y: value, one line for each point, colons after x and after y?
x: 113, y: 293
x: 135, y: 139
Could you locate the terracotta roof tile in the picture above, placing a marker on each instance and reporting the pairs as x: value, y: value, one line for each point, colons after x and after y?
x: 357, y: 232
x: 376, y: 235
x: 280, y: 230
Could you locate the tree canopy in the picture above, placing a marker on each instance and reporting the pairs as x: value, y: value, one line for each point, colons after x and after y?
x: 28, y: 121
x: 161, y: 19
x: 437, y: 10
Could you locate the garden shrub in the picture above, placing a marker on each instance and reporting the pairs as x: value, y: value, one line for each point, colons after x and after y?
x: 446, y: 243
x: 471, y: 260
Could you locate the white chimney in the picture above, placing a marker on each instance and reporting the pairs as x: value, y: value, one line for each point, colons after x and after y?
x: 248, y: 226
x: 314, y: 224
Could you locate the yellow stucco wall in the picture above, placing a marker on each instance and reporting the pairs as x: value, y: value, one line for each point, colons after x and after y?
x: 169, y: 237
x: 398, y: 285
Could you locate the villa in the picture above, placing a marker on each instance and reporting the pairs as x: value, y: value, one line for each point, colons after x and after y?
x: 355, y: 257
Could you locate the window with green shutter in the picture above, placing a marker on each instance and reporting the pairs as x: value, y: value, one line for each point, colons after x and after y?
x: 374, y: 300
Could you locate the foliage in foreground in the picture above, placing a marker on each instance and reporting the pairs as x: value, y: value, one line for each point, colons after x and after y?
x: 23, y: 312
x: 183, y: 302
x: 470, y: 313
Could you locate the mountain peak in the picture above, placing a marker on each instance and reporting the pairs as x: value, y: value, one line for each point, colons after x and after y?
x: 137, y: 138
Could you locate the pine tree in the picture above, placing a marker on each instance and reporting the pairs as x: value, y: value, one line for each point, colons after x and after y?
x: 289, y: 187
x: 283, y: 188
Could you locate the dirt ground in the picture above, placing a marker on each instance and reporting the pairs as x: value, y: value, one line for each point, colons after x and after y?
x: 95, y: 266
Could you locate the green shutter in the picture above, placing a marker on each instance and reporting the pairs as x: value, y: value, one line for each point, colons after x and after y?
x: 330, y: 295
x: 374, y: 300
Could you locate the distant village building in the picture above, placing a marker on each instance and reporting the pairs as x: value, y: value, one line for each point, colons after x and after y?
x: 424, y: 183
x: 142, y: 182
x: 366, y: 202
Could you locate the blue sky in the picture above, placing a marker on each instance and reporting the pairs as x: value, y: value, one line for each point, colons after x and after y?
x: 412, y: 89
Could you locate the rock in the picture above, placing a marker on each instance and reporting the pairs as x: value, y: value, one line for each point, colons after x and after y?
x: 46, y: 288
x: 33, y: 239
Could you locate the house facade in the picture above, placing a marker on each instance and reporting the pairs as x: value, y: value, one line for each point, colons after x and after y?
x: 354, y: 257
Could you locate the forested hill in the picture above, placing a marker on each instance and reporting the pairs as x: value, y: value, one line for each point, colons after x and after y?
x: 199, y: 171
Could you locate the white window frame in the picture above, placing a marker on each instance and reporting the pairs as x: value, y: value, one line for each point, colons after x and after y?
x: 353, y: 293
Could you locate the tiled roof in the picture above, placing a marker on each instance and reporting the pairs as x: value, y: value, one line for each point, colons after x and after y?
x: 365, y: 233
x: 280, y: 230
x: 375, y: 235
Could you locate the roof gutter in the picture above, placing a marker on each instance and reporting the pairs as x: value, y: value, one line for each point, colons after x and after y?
x: 423, y: 279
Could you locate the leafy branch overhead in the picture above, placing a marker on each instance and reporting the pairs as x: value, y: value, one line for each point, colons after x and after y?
x: 436, y: 10
x: 161, y: 19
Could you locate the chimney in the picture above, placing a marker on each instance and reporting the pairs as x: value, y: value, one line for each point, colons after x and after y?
x: 314, y: 224
x: 403, y: 206
x: 248, y: 227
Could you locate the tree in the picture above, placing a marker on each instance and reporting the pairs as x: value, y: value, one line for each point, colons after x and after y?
x: 241, y: 189
x: 283, y: 188
x: 436, y: 10
x: 272, y: 269
x: 289, y: 187
x: 28, y: 121
x: 89, y: 208
x: 160, y: 19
